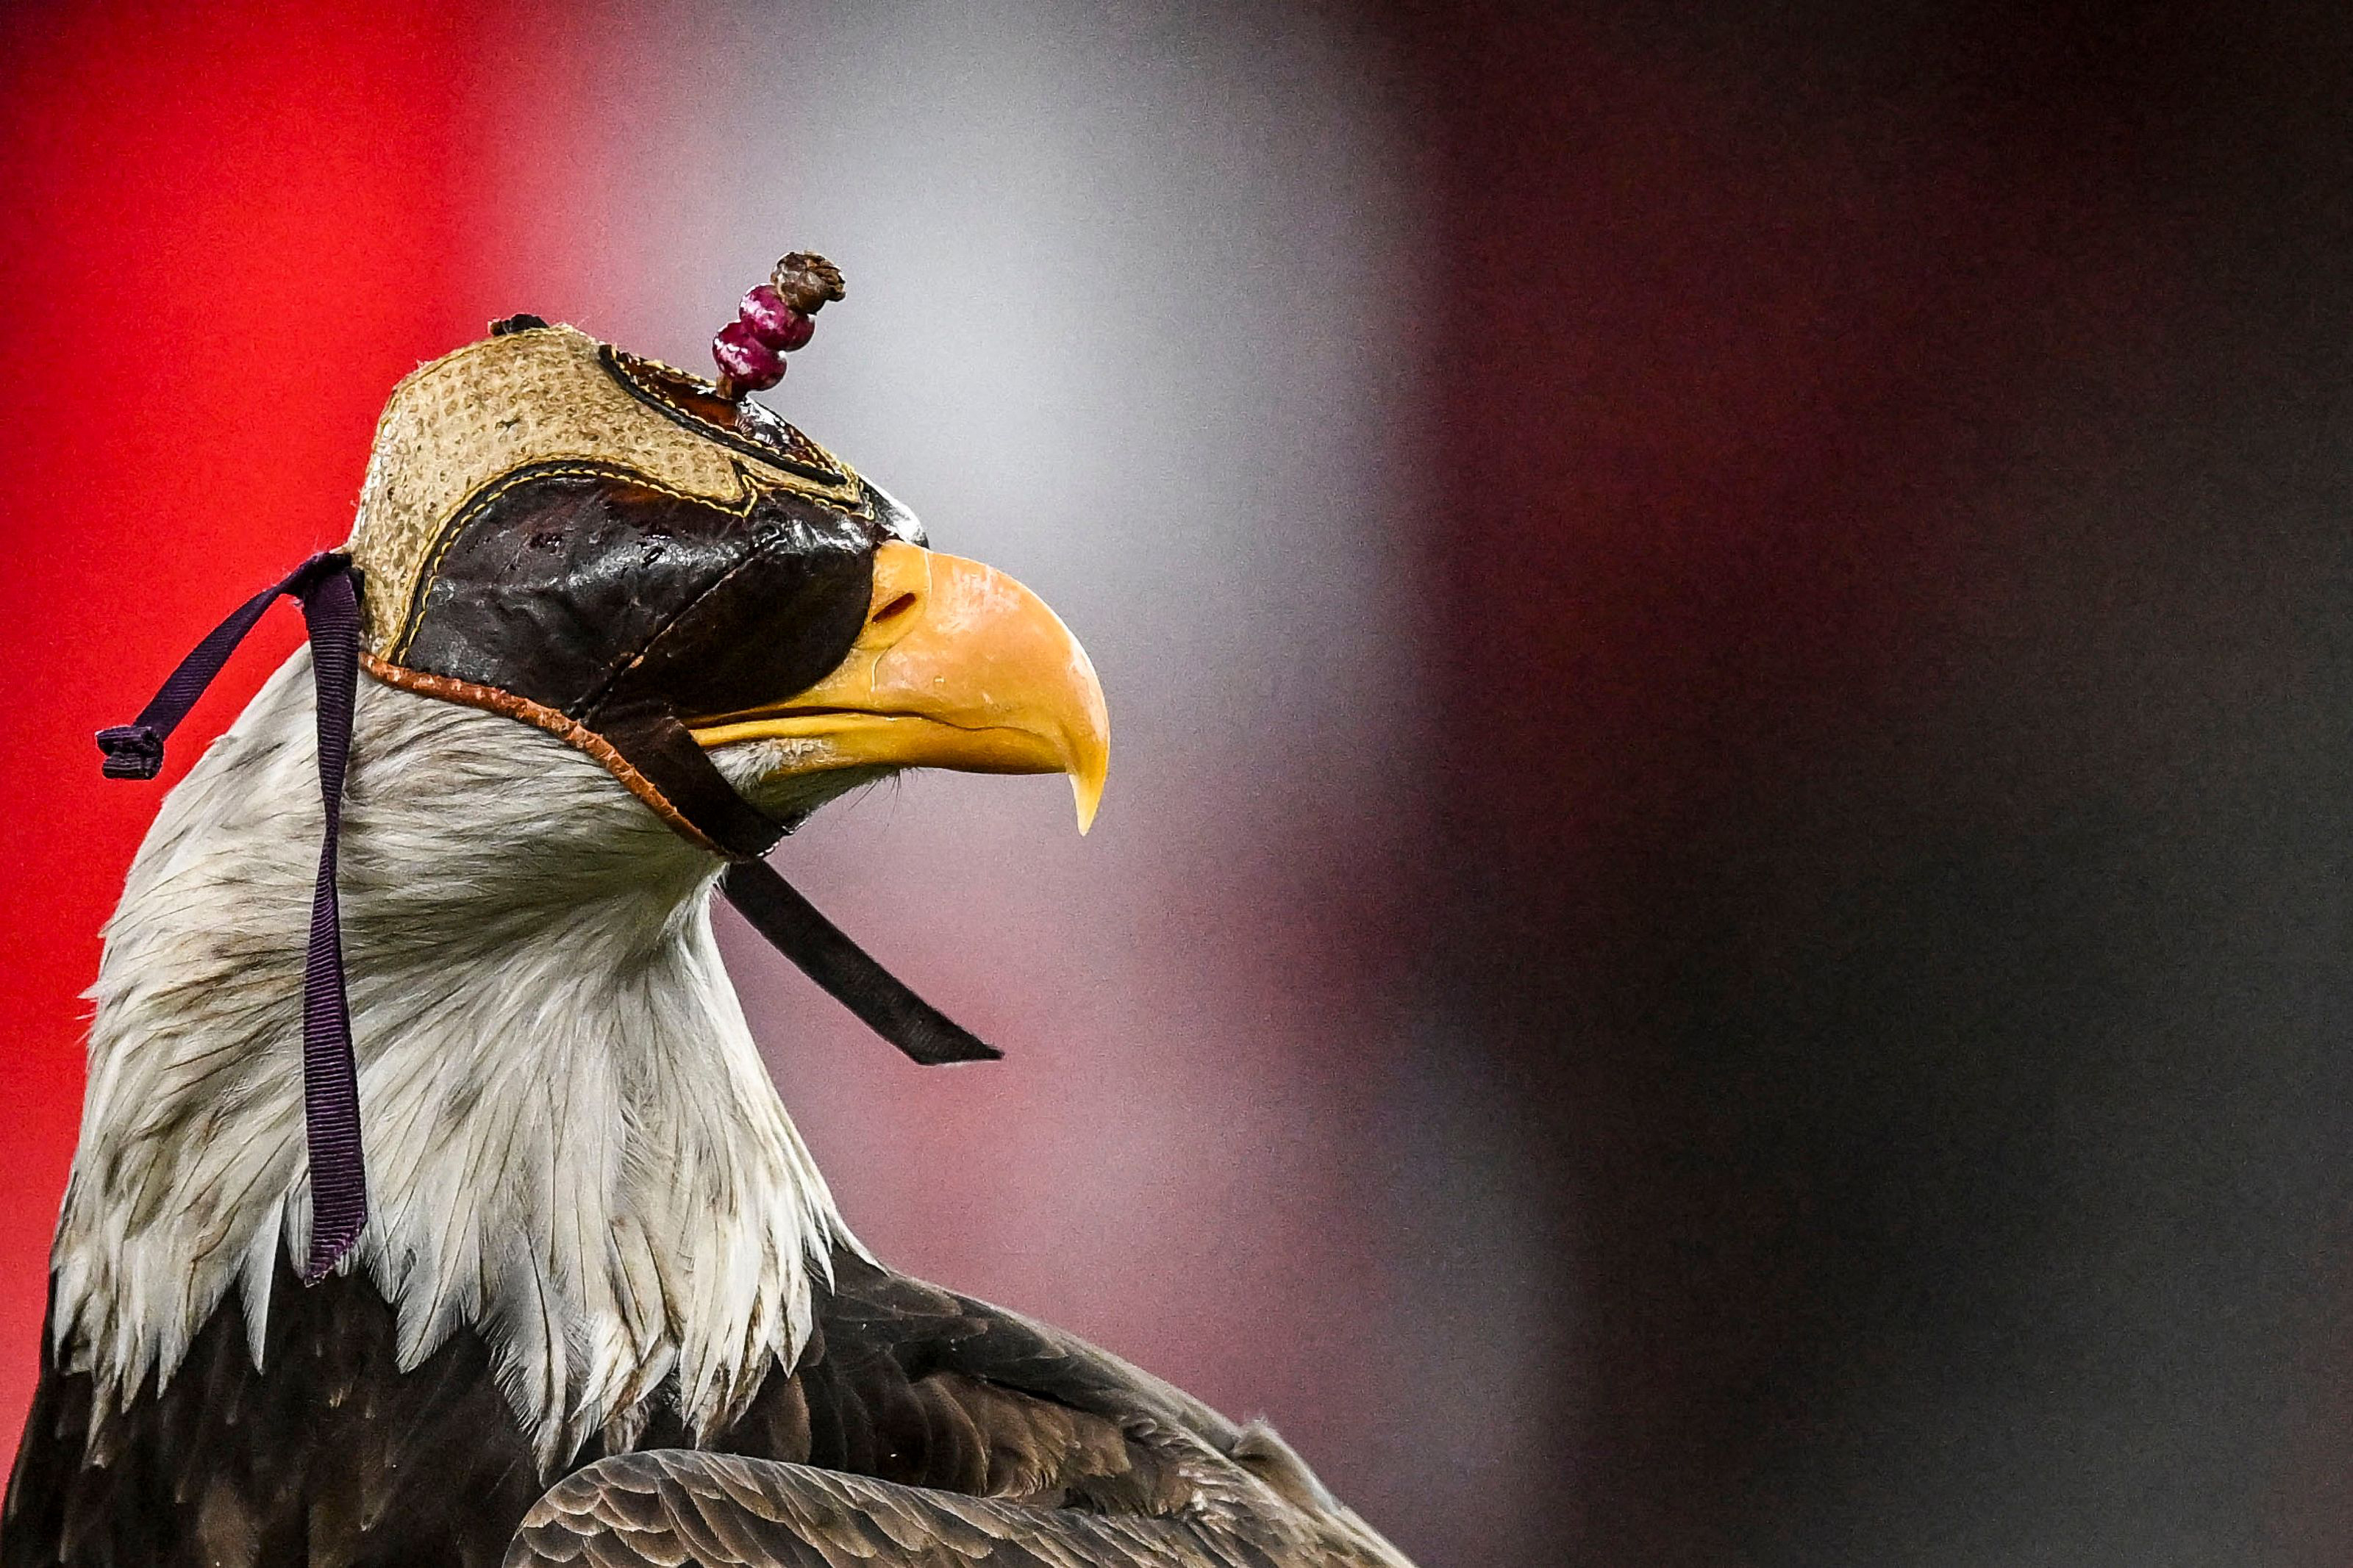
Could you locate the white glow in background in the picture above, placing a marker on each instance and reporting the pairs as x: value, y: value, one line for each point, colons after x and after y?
x: 1131, y: 315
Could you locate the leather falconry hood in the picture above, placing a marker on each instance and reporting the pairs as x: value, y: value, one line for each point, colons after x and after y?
x: 642, y: 563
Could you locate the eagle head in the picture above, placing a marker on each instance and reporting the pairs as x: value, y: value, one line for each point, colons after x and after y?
x: 617, y: 553
x: 617, y: 629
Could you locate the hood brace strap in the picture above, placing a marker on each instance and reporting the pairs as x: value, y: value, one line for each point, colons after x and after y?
x: 327, y: 587
x: 326, y: 584
x: 664, y: 751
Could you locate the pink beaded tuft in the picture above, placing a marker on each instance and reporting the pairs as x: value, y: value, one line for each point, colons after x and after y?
x: 745, y: 359
x: 773, y: 320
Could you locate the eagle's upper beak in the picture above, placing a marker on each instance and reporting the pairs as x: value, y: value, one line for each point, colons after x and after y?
x: 958, y: 666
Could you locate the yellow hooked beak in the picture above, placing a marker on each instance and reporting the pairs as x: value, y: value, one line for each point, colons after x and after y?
x: 958, y: 666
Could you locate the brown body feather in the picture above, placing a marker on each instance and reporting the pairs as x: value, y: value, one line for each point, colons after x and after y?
x: 333, y: 1455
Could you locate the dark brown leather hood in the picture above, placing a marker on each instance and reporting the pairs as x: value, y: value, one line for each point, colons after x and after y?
x: 604, y: 547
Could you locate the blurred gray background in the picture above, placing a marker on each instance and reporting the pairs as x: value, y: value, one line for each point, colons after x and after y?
x: 1129, y: 317
x: 1717, y: 935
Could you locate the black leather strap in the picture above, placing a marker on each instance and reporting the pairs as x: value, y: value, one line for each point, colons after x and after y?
x: 654, y: 741
x: 661, y: 747
x: 845, y: 970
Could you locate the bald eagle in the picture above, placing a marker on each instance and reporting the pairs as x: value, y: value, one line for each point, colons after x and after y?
x: 596, y: 1304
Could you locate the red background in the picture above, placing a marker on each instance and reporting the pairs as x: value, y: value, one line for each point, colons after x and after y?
x: 187, y: 187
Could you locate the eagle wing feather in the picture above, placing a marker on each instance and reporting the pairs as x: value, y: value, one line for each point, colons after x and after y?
x: 666, y: 1507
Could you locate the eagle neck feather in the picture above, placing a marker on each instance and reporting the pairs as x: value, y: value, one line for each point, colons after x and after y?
x: 573, y: 1150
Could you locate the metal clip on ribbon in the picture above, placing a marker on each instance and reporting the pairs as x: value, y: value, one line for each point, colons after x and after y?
x: 327, y: 588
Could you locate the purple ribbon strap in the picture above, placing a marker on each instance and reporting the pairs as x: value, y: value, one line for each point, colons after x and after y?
x: 327, y: 587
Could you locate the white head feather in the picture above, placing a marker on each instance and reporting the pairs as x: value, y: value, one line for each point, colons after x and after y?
x: 572, y: 1148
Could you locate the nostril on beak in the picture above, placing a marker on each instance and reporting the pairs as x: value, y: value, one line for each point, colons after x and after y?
x: 902, y: 585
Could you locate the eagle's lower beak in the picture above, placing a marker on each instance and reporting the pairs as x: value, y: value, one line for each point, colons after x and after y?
x: 958, y: 666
